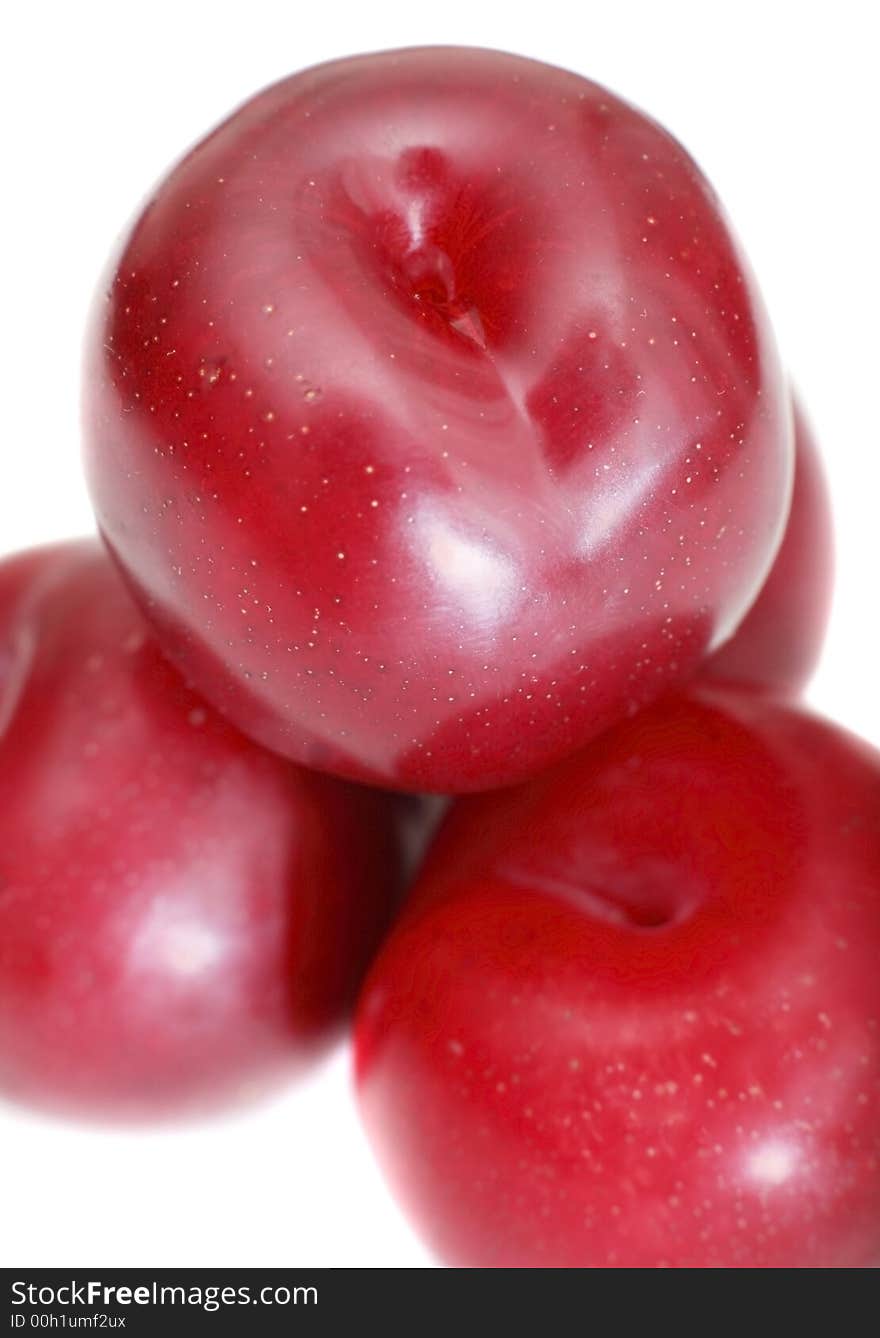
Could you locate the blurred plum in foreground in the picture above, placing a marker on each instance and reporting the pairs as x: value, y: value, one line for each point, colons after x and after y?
x: 183, y: 917
x: 631, y: 1013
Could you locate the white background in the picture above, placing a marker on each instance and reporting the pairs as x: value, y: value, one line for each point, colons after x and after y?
x: 778, y: 103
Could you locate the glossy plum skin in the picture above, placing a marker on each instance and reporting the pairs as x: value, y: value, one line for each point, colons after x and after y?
x: 434, y: 416
x: 630, y: 1016
x: 184, y: 918
x: 778, y: 644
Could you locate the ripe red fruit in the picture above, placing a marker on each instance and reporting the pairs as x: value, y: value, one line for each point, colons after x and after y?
x: 777, y: 645
x: 183, y: 917
x: 631, y: 1015
x: 435, y: 418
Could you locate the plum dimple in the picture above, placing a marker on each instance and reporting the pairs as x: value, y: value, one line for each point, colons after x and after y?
x: 449, y: 243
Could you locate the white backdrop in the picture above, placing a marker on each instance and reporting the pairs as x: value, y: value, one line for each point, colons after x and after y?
x: 779, y: 105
